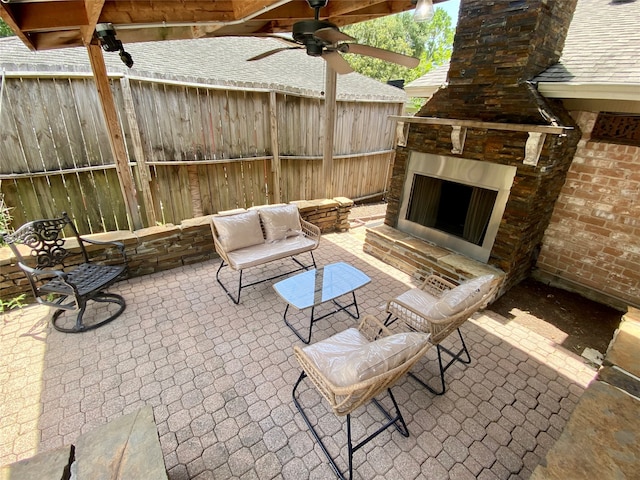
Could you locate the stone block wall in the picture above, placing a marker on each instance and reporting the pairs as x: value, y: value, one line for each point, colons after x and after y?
x: 421, y: 259
x: 169, y: 246
x: 498, y: 47
x: 593, y: 241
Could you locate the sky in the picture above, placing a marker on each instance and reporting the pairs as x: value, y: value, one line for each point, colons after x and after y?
x: 451, y: 7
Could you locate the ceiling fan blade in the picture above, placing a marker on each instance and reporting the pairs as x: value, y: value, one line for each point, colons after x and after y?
x: 332, y: 35
x: 288, y: 41
x: 386, y: 55
x: 271, y: 52
x: 339, y: 64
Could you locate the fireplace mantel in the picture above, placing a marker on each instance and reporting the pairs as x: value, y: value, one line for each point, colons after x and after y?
x: 533, y: 147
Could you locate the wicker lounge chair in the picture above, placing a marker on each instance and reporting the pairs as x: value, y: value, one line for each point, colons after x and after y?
x: 60, y: 272
x: 439, y: 307
x: 350, y: 368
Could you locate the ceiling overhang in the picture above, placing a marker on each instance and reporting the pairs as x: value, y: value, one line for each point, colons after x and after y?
x: 50, y: 24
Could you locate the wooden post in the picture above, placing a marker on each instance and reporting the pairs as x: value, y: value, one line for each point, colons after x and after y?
x: 275, y: 148
x: 116, y: 139
x: 331, y: 79
x: 138, y: 151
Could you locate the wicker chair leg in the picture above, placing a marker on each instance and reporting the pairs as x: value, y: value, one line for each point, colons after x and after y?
x: 455, y: 357
x: 396, y: 421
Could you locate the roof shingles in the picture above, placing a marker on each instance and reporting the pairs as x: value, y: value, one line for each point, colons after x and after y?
x: 216, y: 61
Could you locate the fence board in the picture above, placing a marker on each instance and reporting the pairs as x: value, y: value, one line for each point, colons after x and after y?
x: 56, y: 124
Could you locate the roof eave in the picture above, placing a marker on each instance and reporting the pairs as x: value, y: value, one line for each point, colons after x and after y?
x: 425, y: 91
x: 591, y: 91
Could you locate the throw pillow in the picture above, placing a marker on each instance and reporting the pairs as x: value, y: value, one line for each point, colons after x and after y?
x: 238, y: 231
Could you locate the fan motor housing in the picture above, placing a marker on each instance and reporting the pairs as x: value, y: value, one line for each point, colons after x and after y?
x: 304, y: 30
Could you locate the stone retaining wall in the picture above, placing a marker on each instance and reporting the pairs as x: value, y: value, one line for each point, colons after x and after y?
x: 169, y: 246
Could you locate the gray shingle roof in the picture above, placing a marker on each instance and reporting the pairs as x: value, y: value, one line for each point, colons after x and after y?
x: 603, y: 44
x: 218, y: 61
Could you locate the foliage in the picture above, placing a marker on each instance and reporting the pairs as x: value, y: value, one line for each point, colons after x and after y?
x: 16, y: 302
x: 5, y: 217
x: 5, y: 30
x: 432, y: 42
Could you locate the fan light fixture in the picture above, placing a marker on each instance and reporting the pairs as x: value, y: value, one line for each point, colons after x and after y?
x: 423, y: 11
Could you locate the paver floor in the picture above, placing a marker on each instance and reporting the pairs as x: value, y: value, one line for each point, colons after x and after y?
x: 219, y: 379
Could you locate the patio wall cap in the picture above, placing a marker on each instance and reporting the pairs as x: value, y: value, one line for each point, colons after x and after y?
x: 344, y: 201
x: 306, y: 205
x: 152, y: 233
x: 196, y: 221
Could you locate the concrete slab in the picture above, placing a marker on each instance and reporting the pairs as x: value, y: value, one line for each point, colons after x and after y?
x: 601, y: 439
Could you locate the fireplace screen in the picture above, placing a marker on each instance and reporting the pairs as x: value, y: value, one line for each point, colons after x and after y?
x: 455, y: 203
x: 455, y: 208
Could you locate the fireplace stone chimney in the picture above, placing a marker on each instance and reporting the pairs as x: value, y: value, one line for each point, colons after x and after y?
x: 499, y: 47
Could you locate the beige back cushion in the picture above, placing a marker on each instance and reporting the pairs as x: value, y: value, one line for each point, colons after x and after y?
x: 238, y: 231
x: 348, y: 358
x: 460, y: 297
x: 280, y: 222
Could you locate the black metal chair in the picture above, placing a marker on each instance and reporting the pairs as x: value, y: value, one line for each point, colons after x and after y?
x: 60, y: 272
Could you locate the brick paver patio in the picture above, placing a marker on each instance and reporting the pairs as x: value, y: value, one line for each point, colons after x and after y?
x: 219, y: 378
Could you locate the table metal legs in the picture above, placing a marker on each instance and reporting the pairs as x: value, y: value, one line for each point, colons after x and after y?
x: 313, y: 319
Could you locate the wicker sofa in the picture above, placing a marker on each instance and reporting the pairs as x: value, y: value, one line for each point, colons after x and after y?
x: 260, y: 235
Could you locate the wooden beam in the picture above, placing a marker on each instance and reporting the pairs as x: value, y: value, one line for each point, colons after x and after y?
x: 331, y: 79
x: 45, y: 16
x: 275, y: 147
x: 7, y: 15
x: 93, y: 9
x: 116, y: 139
x: 138, y: 151
x: 244, y: 8
x: 193, y: 11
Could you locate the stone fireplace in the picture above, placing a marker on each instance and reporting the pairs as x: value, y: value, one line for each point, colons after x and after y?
x: 485, y: 158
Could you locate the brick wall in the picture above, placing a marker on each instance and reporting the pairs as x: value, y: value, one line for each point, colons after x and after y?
x: 592, y: 245
x: 169, y: 246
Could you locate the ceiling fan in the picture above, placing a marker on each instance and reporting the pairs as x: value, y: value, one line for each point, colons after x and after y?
x: 323, y: 39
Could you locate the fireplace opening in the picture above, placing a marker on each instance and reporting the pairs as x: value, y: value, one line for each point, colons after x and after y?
x: 455, y: 203
x: 451, y: 207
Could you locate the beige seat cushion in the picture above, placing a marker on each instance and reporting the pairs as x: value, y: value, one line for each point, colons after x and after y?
x: 239, y: 230
x: 280, y: 221
x: 460, y: 297
x: 348, y: 357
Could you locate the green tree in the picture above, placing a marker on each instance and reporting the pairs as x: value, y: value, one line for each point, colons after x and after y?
x: 431, y: 42
x: 5, y: 30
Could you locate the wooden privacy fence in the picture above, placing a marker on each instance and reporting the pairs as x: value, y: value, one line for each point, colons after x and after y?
x: 193, y: 149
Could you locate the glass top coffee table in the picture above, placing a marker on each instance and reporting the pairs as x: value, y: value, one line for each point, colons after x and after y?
x: 315, y: 287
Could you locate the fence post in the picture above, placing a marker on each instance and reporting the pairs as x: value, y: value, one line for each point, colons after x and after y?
x: 329, y: 129
x: 275, y: 148
x: 138, y: 151
x: 114, y: 131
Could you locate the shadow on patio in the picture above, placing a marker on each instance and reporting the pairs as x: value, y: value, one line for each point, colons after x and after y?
x: 219, y: 379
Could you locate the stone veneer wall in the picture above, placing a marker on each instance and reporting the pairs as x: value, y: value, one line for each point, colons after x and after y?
x: 497, y: 48
x: 593, y: 241
x: 169, y: 246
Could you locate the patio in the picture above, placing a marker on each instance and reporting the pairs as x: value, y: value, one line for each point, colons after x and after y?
x: 219, y: 378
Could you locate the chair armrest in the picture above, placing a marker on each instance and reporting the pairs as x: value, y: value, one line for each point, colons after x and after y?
x: 217, y: 244
x: 372, y: 328
x: 310, y: 230
x: 436, y: 285
x: 116, y: 244
x: 44, y: 271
